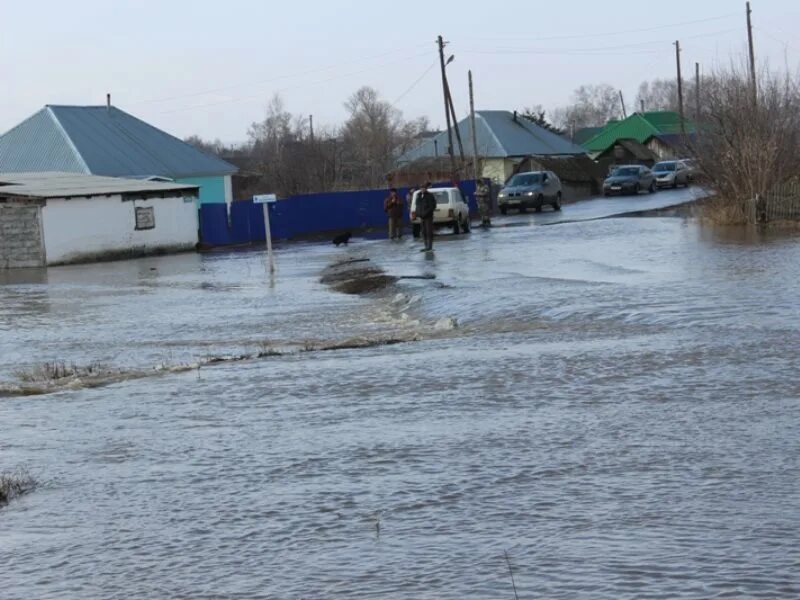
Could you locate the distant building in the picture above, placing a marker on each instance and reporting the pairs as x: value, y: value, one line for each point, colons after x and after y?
x: 626, y: 152
x: 106, y: 141
x: 659, y: 131
x: 60, y: 218
x: 504, y: 140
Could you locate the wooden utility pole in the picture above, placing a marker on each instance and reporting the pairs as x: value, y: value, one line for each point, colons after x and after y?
x: 622, y: 102
x: 475, y: 169
x: 311, y: 126
x: 455, y: 123
x: 697, y: 92
x: 752, y: 54
x: 440, y: 41
x: 680, y: 86
x: 641, y: 102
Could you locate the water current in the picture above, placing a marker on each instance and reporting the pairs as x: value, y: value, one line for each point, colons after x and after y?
x: 615, y: 404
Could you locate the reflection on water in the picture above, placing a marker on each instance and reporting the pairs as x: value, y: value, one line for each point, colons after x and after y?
x: 617, y: 408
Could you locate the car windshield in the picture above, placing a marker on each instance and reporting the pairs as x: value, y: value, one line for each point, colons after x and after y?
x: 525, y: 180
x: 625, y: 172
x: 665, y: 166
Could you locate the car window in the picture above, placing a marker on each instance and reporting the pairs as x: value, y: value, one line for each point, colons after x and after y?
x: 525, y: 179
x: 665, y: 166
x: 625, y: 172
x: 442, y: 197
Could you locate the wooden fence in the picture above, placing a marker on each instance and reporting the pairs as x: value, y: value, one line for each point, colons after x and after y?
x: 782, y: 203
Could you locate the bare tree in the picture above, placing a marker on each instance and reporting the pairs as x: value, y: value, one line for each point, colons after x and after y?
x: 217, y: 148
x: 592, y: 106
x: 745, y: 147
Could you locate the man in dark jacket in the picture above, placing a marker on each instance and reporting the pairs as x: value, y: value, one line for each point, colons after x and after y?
x: 426, y: 205
x: 393, y: 206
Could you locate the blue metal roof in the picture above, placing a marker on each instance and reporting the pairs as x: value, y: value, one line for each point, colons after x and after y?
x: 101, y: 140
x: 499, y: 135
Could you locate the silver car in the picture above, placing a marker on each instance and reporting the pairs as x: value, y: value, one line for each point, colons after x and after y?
x: 671, y: 173
x: 534, y: 189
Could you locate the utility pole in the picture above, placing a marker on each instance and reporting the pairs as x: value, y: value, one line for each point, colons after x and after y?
x: 311, y: 126
x: 752, y: 53
x: 641, y: 103
x: 697, y: 92
x: 474, y: 131
x: 680, y: 86
x: 440, y: 41
x: 622, y: 101
x: 455, y: 123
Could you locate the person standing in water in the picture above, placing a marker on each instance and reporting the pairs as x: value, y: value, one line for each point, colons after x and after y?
x: 426, y: 206
x: 393, y: 206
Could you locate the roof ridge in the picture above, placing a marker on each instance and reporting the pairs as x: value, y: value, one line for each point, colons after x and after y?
x: 492, y: 133
x: 67, y: 139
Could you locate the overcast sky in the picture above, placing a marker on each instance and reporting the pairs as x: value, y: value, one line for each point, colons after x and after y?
x: 209, y: 67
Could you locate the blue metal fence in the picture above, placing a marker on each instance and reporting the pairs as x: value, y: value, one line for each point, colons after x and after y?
x: 302, y: 216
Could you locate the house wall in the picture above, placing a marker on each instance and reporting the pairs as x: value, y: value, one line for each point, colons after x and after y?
x: 498, y: 169
x: 20, y: 236
x: 660, y: 149
x: 104, y: 228
x: 213, y: 190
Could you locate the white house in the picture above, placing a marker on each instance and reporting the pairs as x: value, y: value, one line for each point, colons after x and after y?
x: 60, y: 218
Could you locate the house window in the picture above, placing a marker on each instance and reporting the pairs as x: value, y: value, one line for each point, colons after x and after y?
x: 145, y: 218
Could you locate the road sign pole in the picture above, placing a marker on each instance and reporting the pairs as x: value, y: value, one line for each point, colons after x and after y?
x: 270, y: 257
x: 266, y: 200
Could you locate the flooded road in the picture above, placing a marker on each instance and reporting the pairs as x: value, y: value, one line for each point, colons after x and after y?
x: 617, y: 407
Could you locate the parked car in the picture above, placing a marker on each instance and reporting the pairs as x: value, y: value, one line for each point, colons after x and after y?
x: 692, y: 169
x: 452, y: 210
x: 629, y: 179
x: 531, y: 190
x: 671, y: 173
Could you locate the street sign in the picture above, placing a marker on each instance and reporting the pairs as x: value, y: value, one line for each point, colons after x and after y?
x: 265, y: 199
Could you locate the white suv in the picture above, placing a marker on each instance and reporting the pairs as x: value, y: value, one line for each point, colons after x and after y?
x: 451, y: 210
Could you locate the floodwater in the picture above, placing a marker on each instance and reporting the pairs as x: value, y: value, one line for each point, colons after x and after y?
x: 617, y: 409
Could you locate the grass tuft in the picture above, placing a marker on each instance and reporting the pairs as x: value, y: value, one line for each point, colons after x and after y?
x: 14, y: 484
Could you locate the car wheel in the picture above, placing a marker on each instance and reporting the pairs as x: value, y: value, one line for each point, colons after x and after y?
x: 557, y: 203
x: 456, y: 227
x: 415, y: 230
x: 503, y: 210
x: 636, y: 190
x: 539, y: 203
x: 652, y: 189
x: 466, y: 226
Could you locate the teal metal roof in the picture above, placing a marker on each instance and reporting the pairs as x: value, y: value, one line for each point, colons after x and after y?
x: 101, y: 140
x: 499, y: 135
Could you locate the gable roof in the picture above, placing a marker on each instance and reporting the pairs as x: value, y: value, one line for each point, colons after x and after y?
x: 499, y: 135
x: 639, y: 127
x: 101, y: 140
x: 636, y: 149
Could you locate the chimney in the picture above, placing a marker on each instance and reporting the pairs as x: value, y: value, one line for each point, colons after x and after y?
x: 108, y: 102
x: 515, y: 116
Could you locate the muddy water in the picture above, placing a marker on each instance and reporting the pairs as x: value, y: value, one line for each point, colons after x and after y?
x: 618, y: 409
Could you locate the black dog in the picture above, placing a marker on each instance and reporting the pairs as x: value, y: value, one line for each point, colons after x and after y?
x: 342, y: 239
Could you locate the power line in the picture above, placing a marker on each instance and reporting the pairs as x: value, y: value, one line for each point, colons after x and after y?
x: 260, y: 82
x: 415, y: 84
x: 649, y: 47
x: 607, y: 33
x: 293, y: 87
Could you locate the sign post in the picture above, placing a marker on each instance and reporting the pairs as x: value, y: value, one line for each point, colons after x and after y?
x: 266, y: 200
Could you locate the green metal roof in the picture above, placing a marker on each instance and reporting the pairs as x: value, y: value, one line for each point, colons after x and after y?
x: 639, y: 127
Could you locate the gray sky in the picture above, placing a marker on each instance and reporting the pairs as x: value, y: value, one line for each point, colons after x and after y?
x: 209, y: 67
